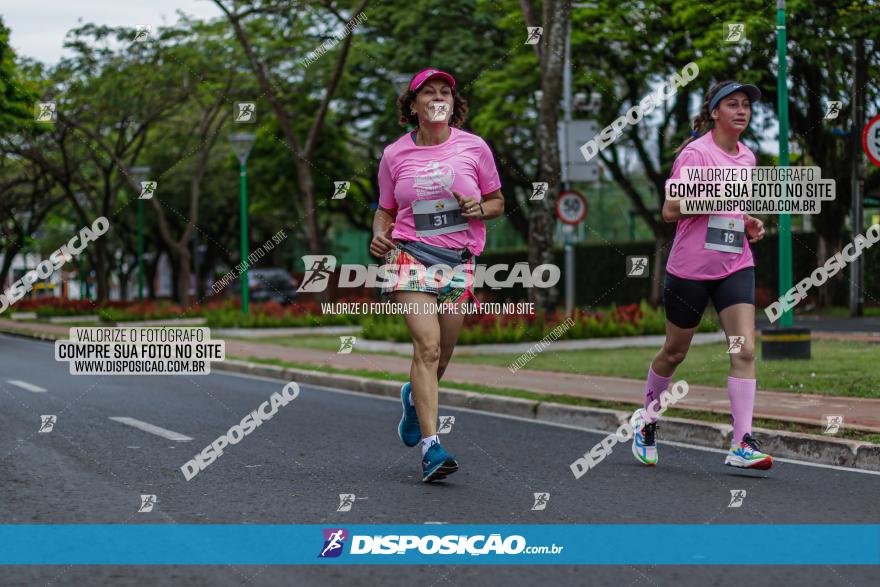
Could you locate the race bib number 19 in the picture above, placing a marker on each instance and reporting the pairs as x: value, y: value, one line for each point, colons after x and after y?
x: 434, y: 217
x: 725, y: 234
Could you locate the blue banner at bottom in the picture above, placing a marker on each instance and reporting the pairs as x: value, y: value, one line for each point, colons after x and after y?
x: 612, y: 544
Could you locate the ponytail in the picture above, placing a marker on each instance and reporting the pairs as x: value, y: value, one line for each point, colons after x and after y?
x: 703, y: 123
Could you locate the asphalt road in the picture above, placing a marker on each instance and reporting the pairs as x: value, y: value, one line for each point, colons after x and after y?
x: 291, y: 470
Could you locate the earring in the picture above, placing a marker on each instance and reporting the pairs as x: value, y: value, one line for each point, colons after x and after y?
x: 413, y: 112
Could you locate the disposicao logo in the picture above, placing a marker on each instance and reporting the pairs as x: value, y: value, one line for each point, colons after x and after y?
x: 450, y: 544
x: 334, y: 542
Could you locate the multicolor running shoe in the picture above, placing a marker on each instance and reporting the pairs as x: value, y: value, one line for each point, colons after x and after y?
x: 747, y: 455
x: 644, y: 444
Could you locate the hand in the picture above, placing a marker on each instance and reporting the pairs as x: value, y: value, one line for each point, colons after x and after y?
x: 470, y: 207
x: 755, y: 228
x: 382, y: 244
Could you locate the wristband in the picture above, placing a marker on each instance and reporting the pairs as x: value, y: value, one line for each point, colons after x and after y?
x: 482, y: 214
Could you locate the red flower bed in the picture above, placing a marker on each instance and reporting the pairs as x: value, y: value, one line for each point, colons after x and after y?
x: 631, y: 320
x: 45, y: 307
x: 273, y: 314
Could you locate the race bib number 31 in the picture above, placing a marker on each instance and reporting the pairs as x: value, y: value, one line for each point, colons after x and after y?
x: 434, y: 217
x: 725, y: 234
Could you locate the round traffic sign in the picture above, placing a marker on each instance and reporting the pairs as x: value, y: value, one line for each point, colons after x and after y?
x: 871, y: 140
x: 571, y: 207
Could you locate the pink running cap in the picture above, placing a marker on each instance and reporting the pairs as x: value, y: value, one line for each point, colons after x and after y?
x: 421, y: 77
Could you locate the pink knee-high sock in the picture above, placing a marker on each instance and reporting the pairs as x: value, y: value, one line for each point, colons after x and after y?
x: 655, y: 385
x: 742, y: 403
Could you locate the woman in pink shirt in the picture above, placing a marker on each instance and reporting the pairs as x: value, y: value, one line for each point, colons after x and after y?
x: 711, y: 259
x: 437, y: 185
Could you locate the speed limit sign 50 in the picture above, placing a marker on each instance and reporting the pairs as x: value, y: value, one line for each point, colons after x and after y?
x: 871, y: 140
x: 571, y: 207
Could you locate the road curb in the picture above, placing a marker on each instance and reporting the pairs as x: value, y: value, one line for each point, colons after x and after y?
x: 829, y: 451
x: 30, y: 334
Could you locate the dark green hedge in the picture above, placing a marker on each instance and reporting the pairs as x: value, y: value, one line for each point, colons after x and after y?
x: 600, y: 271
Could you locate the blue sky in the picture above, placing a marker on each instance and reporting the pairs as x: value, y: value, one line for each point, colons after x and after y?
x: 38, y: 27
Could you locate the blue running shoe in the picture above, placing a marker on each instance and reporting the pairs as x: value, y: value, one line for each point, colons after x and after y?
x: 408, y: 429
x: 437, y: 463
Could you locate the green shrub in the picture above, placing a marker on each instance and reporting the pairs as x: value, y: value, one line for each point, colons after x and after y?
x: 631, y: 320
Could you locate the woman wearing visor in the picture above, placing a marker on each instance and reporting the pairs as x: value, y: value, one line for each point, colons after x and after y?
x: 711, y: 259
x: 437, y: 186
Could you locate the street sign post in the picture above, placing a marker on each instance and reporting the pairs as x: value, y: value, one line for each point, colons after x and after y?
x: 573, y: 134
x: 571, y: 208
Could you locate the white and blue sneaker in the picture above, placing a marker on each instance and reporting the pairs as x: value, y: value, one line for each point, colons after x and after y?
x: 644, y: 446
x: 409, y: 430
x: 747, y: 455
x: 437, y: 463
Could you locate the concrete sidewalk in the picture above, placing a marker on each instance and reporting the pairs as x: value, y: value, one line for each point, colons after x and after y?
x: 858, y: 413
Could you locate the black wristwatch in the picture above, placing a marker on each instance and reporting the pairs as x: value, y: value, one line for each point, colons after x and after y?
x: 482, y: 214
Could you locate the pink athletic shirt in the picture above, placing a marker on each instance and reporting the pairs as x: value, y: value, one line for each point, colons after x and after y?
x: 408, y: 172
x: 688, y: 259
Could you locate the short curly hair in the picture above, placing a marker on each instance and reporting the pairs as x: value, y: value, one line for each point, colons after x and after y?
x: 404, y: 103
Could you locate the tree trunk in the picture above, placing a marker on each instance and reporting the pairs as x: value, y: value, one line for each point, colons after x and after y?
x: 102, y: 272
x: 307, y: 186
x: 659, y: 273
x: 123, y: 284
x: 8, y: 255
x: 150, y: 276
x: 184, y: 275
x: 542, y: 216
x: 175, y: 275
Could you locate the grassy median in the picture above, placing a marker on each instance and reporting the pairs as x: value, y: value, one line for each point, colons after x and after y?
x: 836, y: 367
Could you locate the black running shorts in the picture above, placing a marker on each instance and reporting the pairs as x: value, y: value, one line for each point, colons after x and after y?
x: 685, y: 299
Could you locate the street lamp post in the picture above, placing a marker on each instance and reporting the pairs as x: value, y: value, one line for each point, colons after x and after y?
x: 568, y: 230
x: 785, y: 342
x: 785, y: 277
x: 241, y: 144
x: 140, y: 174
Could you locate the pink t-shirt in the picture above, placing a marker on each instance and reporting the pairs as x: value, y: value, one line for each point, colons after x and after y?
x: 408, y: 172
x: 688, y: 258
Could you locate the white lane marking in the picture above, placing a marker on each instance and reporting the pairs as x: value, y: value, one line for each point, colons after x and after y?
x: 557, y: 425
x: 26, y: 385
x: 152, y: 429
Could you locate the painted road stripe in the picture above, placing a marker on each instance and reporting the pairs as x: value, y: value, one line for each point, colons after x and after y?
x: 26, y: 385
x: 152, y: 429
